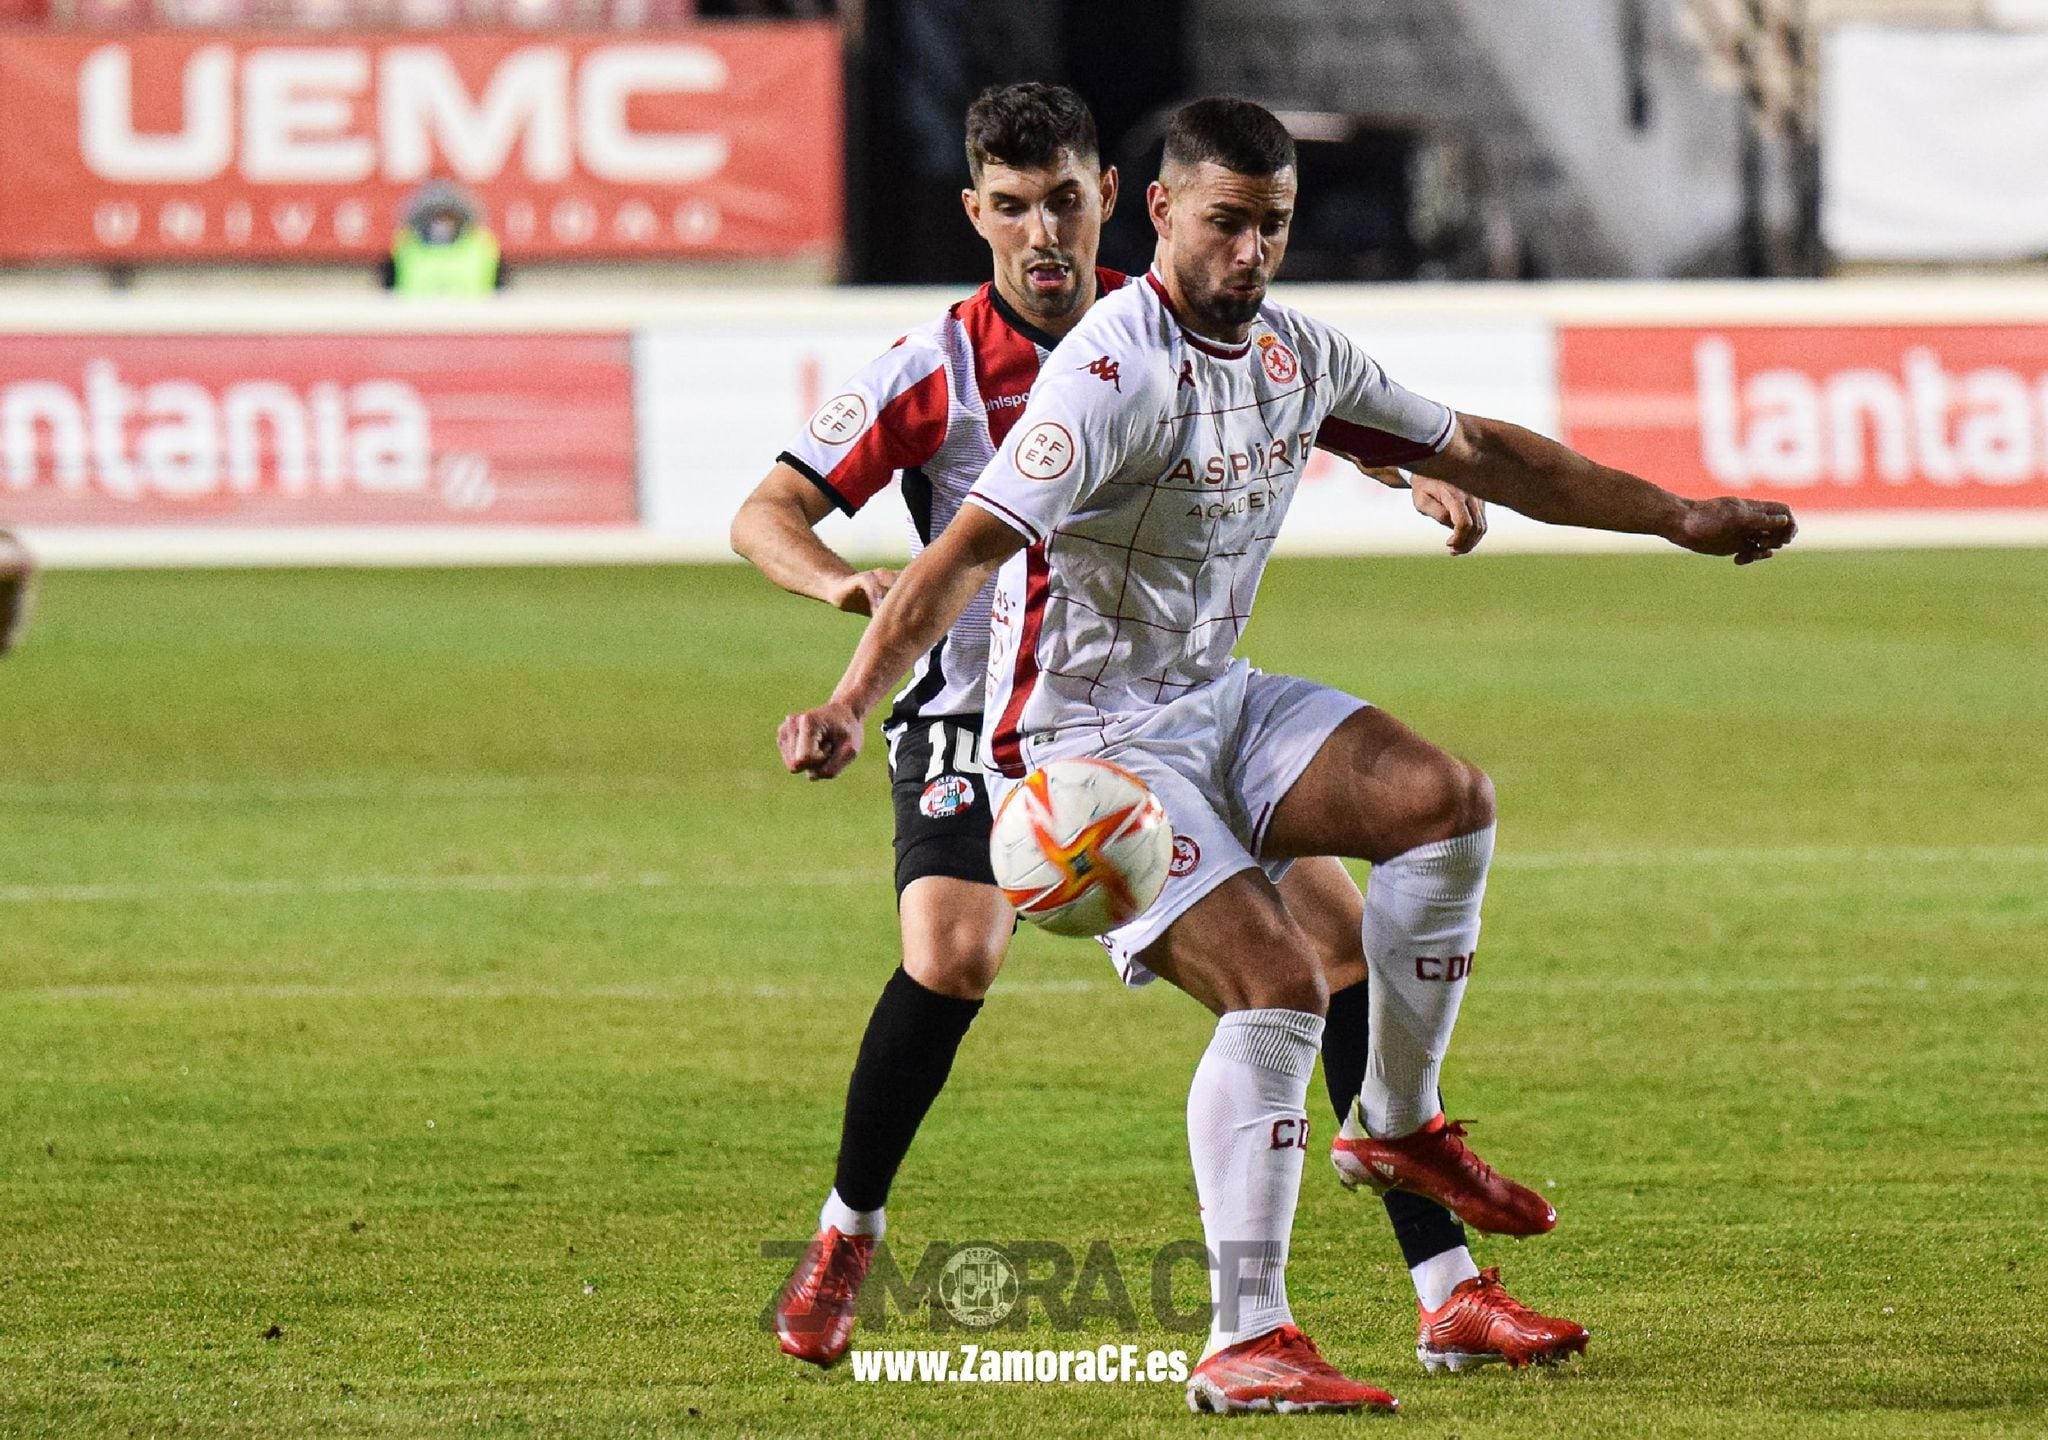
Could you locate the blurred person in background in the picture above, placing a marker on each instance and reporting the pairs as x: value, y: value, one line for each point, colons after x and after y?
x: 444, y: 247
x: 17, y: 589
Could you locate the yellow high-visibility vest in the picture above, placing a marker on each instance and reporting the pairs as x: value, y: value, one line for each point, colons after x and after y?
x: 466, y: 265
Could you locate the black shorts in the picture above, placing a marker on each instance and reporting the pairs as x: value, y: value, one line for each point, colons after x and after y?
x: 941, y: 799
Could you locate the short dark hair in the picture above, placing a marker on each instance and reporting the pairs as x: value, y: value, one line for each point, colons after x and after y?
x: 1029, y: 126
x: 1242, y: 137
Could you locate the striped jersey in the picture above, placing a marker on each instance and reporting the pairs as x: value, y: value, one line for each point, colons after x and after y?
x: 930, y: 413
x: 1150, y: 474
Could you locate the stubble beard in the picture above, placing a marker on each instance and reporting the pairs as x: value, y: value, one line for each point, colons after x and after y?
x: 1223, y: 311
x: 1232, y: 312
x: 1217, y: 309
x: 1060, y: 305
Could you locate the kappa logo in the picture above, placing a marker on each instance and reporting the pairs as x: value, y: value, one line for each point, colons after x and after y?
x: 945, y: 797
x: 1186, y: 856
x: 840, y: 419
x: 1278, y: 359
x: 1046, y: 452
x: 1187, y: 374
x: 1104, y: 368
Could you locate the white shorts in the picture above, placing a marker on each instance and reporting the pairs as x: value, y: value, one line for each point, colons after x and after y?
x: 1220, y: 759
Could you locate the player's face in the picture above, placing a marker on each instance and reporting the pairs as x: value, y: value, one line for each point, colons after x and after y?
x: 1221, y: 237
x: 1043, y: 226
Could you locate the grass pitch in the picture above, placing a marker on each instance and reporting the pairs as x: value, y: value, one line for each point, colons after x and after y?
x: 421, y: 995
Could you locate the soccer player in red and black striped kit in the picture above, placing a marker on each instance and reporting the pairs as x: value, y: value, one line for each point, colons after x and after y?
x: 929, y: 414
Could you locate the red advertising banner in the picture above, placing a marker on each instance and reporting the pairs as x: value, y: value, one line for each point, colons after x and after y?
x: 711, y: 140
x: 316, y: 430
x: 1835, y: 417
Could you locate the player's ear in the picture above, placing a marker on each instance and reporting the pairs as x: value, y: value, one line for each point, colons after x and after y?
x: 1110, y: 181
x: 970, y: 201
x: 1159, y: 205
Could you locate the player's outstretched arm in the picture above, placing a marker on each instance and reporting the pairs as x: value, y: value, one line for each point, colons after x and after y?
x: 1546, y: 481
x: 775, y: 532
x: 928, y: 597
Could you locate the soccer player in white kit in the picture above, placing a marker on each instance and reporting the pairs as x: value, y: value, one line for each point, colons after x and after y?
x: 1130, y: 515
x: 929, y: 413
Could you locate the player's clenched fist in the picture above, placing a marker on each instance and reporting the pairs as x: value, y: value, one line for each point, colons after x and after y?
x: 862, y: 593
x: 820, y: 742
x: 1747, y: 529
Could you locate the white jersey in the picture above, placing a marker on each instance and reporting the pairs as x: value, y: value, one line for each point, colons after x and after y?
x: 931, y: 410
x: 1150, y: 473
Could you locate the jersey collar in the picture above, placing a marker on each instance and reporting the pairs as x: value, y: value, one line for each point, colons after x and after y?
x: 1206, y: 346
x: 1017, y: 322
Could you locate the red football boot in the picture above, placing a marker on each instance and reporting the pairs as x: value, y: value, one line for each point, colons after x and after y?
x: 1482, y: 1323
x: 1437, y: 1164
x: 814, y: 1318
x: 1280, y: 1371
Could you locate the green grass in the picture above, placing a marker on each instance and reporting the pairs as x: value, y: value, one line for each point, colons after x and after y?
x: 1762, y: 994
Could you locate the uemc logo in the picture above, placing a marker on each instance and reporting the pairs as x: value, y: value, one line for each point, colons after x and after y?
x: 341, y: 114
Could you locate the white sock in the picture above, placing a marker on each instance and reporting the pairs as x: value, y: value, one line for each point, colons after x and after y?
x: 1247, y: 1133
x: 840, y: 1216
x: 1436, y: 1277
x: 1421, y: 929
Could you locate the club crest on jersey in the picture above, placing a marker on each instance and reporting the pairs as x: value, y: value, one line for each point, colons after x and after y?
x: 945, y: 797
x: 1186, y: 856
x: 1046, y: 452
x: 1278, y: 359
x: 840, y: 419
x: 1104, y: 368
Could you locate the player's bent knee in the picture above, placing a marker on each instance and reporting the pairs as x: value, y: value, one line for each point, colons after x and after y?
x: 955, y: 935
x: 1451, y: 798
x: 960, y: 959
x: 960, y: 972
x: 1479, y: 799
x: 1289, y: 974
x: 1233, y: 958
x: 1305, y: 989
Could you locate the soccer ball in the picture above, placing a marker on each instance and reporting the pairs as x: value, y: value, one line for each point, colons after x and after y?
x: 1081, y: 847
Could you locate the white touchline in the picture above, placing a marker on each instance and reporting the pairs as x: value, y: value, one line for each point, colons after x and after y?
x: 118, y: 892
x: 325, y: 885
x: 1939, y: 987
x: 142, y: 891
x: 134, y: 891
x: 1771, y: 855
x: 680, y: 992
x: 361, y: 787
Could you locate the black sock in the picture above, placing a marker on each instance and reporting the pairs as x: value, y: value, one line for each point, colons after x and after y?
x: 905, y: 1057
x: 1424, y: 1228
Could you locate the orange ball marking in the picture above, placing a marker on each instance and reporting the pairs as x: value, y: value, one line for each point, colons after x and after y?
x: 1080, y: 861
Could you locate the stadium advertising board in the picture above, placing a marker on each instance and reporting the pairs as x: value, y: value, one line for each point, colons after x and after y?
x: 1843, y: 417
x: 708, y: 141
x: 717, y: 406
x: 287, y: 431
